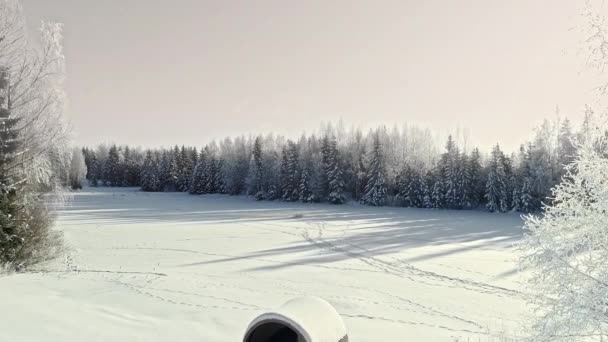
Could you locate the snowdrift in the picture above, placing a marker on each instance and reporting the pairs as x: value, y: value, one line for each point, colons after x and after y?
x: 306, y: 319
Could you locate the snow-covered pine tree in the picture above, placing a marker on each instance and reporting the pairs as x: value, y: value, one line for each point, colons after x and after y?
x: 527, y: 202
x: 129, y: 168
x: 407, y: 184
x: 164, y: 165
x: 476, y: 188
x: 401, y: 182
x: 496, y: 188
x: 509, y: 179
x: 256, y: 183
x: 325, y: 160
x: 360, y: 174
x: 113, y: 172
x: 375, y: 188
x: 335, y: 175
x: 452, y: 175
x: 425, y: 193
x: 10, y: 144
x: 210, y: 173
x: 197, y: 184
x: 184, y: 168
x: 305, y: 192
x: 170, y: 169
x: 235, y: 168
x: 438, y: 193
x: 93, y: 169
x: 294, y: 171
x: 466, y: 200
x: 149, y: 174
x: 305, y: 187
x: 284, y: 177
x: 217, y: 177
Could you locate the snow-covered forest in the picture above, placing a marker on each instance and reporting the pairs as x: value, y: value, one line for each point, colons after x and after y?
x: 394, y: 167
x: 192, y: 243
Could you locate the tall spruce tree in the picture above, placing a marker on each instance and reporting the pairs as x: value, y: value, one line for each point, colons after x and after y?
x: 149, y: 174
x: 375, y: 188
x: 197, y: 184
x: 527, y: 202
x: 452, y: 175
x: 290, y: 173
x: 93, y: 169
x: 334, y: 174
x: 408, y: 187
x: 113, y: 172
x: 10, y: 208
x: 476, y: 182
x: 184, y: 168
x: 257, y: 171
x: 496, y: 187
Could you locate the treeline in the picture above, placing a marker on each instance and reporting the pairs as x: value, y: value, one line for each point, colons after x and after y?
x: 398, y: 167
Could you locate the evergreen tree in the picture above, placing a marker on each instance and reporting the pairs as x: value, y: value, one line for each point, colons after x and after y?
x: 216, y: 177
x: 527, y: 202
x: 210, y: 172
x: 93, y: 169
x: 197, y: 184
x: 113, y: 167
x: 24, y: 224
x: 476, y: 188
x: 284, y: 176
x: 509, y: 180
x: 425, y: 191
x: 375, y: 189
x: 257, y: 171
x: 149, y: 174
x: 325, y: 159
x: 164, y: 170
x: 360, y: 175
x: 452, y: 175
x: 236, y: 168
x: 185, y: 169
x: 305, y: 190
x: 408, y: 186
x: 526, y: 198
x: 465, y: 184
x: 496, y: 188
x: 130, y: 169
x: 311, y: 175
x: 438, y: 193
x: 334, y: 174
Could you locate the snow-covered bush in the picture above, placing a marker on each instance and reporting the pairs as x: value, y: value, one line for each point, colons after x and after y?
x: 566, y: 249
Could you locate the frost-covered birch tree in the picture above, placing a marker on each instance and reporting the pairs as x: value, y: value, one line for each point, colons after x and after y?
x: 566, y: 249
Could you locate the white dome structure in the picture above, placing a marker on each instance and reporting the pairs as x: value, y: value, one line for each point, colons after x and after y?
x: 307, y: 319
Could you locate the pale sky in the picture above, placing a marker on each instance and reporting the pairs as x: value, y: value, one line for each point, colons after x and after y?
x: 152, y: 72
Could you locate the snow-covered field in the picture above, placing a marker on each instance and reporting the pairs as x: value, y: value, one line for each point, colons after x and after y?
x: 174, y: 267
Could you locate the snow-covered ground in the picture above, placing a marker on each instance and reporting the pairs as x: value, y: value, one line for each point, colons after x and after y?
x: 174, y: 267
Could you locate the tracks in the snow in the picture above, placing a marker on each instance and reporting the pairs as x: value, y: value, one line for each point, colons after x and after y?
x: 400, y: 268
